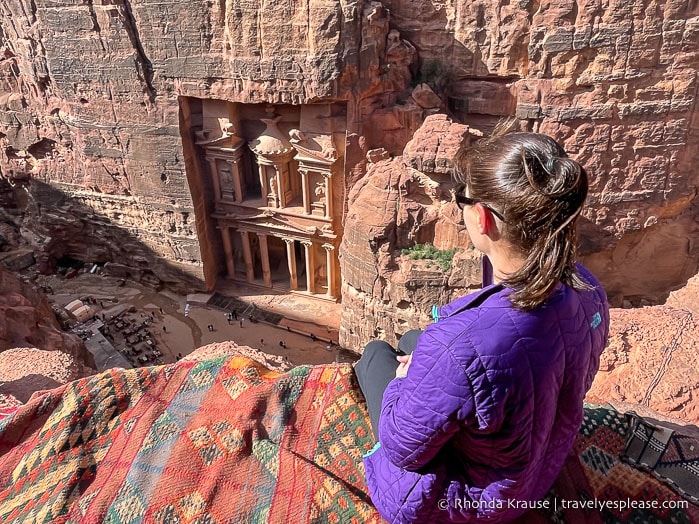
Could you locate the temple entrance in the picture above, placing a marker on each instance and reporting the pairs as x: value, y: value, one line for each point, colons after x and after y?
x: 278, y: 263
x: 300, y: 258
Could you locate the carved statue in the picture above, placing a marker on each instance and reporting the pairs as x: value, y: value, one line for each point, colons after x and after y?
x: 226, y: 177
x: 229, y: 129
x: 320, y: 191
x: 206, y: 136
x: 296, y: 136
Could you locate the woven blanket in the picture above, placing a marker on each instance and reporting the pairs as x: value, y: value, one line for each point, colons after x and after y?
x: 667, y: 454
x: 223, y: 440
x: 227, y: 440
x: 597, y: 485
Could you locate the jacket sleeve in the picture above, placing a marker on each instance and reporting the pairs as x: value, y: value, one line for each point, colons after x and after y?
x: 422, y: 411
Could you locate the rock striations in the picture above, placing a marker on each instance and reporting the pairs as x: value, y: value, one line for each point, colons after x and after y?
x: 95, y: 106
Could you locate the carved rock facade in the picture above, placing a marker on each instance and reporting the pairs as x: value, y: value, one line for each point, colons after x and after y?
x: 275, y: 192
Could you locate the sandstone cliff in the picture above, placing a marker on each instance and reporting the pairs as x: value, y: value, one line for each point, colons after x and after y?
x: 27, y: 320
x: 651, y: 361
x: 94, y: 129
x: 35, y: 354
x: 400, y: 204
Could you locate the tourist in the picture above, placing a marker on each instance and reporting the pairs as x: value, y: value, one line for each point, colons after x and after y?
x: 164, y: 329
x: 262, y: 341
x: 241, y: 322
x: 210, y: 327
x: 282, y: 344
x: 483, y: 407
x: 313, y: 337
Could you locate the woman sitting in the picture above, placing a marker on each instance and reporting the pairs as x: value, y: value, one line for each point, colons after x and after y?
x: 475, y: 423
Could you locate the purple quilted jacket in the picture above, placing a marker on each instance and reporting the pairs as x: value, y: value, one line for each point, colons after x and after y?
x: 481, y: 425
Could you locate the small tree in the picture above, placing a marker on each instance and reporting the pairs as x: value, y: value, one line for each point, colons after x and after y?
x: 442, y: 257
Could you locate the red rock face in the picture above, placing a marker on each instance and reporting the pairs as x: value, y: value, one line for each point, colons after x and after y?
x: 91, y: 120
x: 399, y: 204
x: 24, y: 371
x: 27, y: 320
x: 651, y: 361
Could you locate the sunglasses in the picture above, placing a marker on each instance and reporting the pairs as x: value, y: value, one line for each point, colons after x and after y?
x: 462, y: 201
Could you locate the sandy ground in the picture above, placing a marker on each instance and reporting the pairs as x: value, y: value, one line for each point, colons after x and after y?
x: 182, y: 334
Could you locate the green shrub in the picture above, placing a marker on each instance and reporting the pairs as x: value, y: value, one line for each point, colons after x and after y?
x: 427, y: 251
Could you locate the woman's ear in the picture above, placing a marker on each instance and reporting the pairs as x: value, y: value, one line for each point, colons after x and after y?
x: 484, y: 219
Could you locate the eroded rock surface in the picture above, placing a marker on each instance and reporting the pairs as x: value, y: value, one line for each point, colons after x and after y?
x: 400, y: 204
x: 91, y: 124
x: 651, y: 360
x: 27, y: 320
x: 219, y: 349
x: 24, y: 371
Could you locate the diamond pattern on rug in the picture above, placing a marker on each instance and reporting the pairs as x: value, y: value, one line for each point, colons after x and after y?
x: 163, y: 430
x: 597, y: 459
x: 128, y: 507
x: 190, y: 508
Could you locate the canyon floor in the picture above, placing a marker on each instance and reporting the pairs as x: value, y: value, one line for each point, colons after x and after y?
x: 649, y: 364
x: 184, y: 331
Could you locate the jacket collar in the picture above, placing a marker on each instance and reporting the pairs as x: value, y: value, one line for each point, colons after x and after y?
x: 469, y: 301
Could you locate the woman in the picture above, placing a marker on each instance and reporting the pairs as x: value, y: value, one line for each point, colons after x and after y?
x: 479, y: 419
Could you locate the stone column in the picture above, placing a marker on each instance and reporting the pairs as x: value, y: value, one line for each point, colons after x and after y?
x: 306, y: 192
x: 214, y: 178
x: 266, y: 273
x: 310, y: 266
x: 235, y: 167
x: 330, y: 269
x: 247, y: 255
x: 228, y: 250
x: 328, y: 195
x: 262, y: 168
x: 280, y: 186
x: 291, y: 260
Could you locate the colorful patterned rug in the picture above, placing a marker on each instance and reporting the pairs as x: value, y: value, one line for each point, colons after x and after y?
x: 667, y: 454
x: 227, y: 440
x: 596, y: 485
x: 224, y: 440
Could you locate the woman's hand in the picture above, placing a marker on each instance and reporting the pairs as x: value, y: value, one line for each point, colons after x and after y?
x: 404, y: 365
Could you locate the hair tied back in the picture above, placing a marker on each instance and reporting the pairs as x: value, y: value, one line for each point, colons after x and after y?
x: 554, y: 177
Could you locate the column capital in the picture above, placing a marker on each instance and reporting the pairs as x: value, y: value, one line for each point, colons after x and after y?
x: 288, y: 240
x: 307, y: 243
x: 328, y: 247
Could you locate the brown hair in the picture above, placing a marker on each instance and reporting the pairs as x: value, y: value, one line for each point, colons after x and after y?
x: 540, y: 192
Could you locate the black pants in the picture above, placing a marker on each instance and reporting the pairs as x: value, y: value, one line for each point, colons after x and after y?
x: 377, y: 368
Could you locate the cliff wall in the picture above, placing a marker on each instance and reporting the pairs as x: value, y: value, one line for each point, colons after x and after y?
x: 27, y: 320
x: 90, y: 116
x: 94, y: 138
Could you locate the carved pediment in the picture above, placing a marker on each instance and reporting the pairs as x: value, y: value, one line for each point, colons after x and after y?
x: 264, y: 220
x: 215, y: 140
x: 314, y: 146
